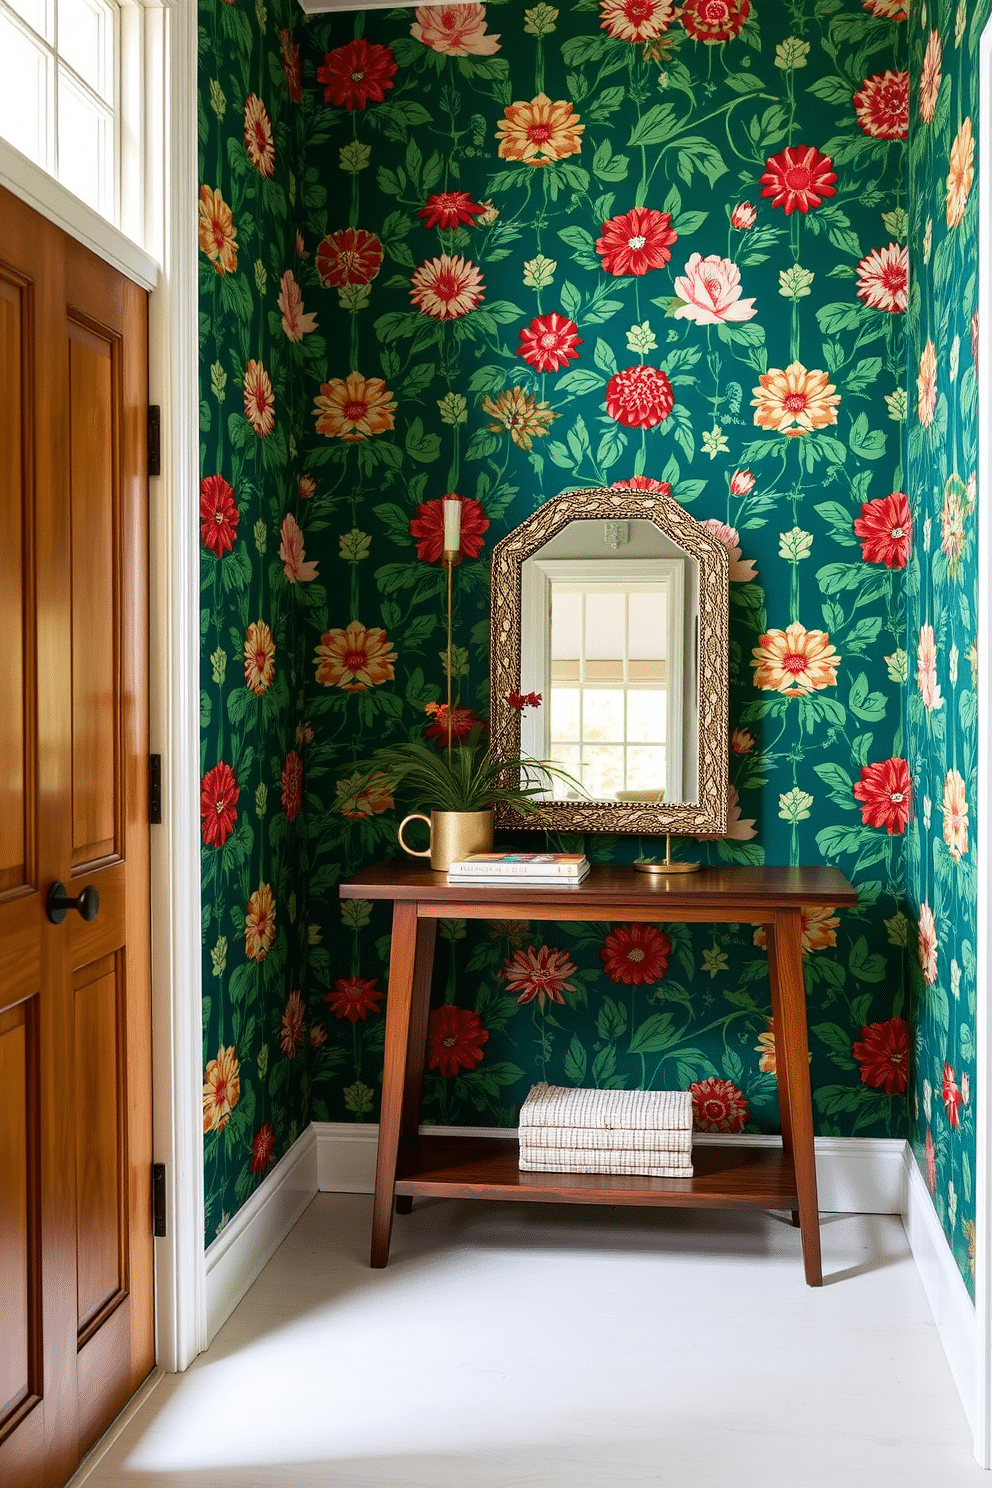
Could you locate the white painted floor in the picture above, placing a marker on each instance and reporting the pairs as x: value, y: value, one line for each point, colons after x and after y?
x: 567, y: 1348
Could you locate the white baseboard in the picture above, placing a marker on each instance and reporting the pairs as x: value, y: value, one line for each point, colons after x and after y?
x: 952, y: 1307
x: 236, y: 1258
x: 855, y: 1175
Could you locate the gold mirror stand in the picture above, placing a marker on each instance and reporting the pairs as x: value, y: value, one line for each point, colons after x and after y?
x: 667, y: 864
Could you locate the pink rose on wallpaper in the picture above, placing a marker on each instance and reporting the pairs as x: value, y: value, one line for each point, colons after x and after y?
x: 741, y: 570
x: 926, y: 669
x: 711, y: 289
x: 294, y: 322
x: 454, y: 30
x: 291, y: 552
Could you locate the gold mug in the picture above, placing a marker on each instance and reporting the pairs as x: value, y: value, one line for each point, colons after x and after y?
x: 454, y: 834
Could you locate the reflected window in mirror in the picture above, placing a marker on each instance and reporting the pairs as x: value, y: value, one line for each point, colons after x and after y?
x: 604, y: 647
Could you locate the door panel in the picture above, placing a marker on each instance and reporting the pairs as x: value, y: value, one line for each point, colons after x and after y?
x: 94, y: 388
x: 14, y: 586
x: 76, y: 1335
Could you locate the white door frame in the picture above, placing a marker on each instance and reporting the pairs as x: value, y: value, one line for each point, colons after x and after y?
x: 168, y: 267
x: 983, y: 806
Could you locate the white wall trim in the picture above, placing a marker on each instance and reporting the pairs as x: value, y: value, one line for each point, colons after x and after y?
x: 855, y: 1175
x: 174, y: 661
x: 236, y: 1258
x: 113, y: 1433
x: 53, y: 201
x: 952, y: 1308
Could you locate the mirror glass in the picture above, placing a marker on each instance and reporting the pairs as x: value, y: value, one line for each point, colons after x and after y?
x: 608, y: 623
x: 611, y: 605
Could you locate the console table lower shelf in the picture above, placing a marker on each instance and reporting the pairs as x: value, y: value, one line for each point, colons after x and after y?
x: 724, y: 1177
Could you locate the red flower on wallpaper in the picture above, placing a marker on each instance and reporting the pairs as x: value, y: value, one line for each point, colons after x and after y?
x: 639, y: 397
x: 742, y: 482
x: 718, y: 1106
x: 881, y: 105
x: 455, y: 1037
x: 885, y: 528
x: 883, y: 278
x: 218, y: 515
x: 291, y: 785
x: 290, y: 58
x: 637, y: 241
x: 357, y: 74
x: 463, y: 722
x: 637, y: 20
x: 644, y: 483
x: 519, y: 701
x: 428, y: 528
x: 883, y: 1054
x: 713, y: 21
x: 885, y: 791
x: 449, y: 208
x: 219, y: 794
x: 351, y: 256
x: 951, y: 1096
x: 540, y: 972
x: 293, y: 1025
x: 798, y: 179
x: 263, y: 1145
x: 353, y: 998
x: 635, y: 954
x: 549, y: 342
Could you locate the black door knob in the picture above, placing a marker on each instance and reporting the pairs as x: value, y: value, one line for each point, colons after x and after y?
x: 58, y: 905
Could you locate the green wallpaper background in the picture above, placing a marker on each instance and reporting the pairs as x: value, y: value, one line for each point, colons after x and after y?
x: 942, y: 588
x: 534, y: 248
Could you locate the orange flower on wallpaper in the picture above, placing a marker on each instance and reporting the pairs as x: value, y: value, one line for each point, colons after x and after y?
x: 355, y: 658
x: 454, y: 30
x: 518, y: 414
x: 354, y: 409
x: 794, y: 400
x: 447, y: 287
x: 765, y: 1048
x: 741, y: 570
x: 927, y: 948
x: 955, y: 815
x: 290, y: 302
x: 260, y: 923
x: 260, y: 657
x: 221, y: 1089
x: 961, y: 174
x: 361, y: 796
x: 292, y: 1026
x: 260, y: 403
x: 218, y: 235
x: 539, y: 131
x: 795, y: 661
x: 297, y: 568
x: 819, y: 928
x: 258, y: 136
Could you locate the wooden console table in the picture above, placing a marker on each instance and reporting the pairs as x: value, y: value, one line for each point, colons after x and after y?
x: 725, y: 1176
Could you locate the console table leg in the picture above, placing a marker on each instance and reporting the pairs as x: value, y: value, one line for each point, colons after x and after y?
x: 785, y: 966
x: 402, y: 961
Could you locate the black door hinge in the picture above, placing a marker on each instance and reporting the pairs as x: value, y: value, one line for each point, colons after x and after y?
x: 154, y: 440
x: 158, y: 1200
x: 155, y: 789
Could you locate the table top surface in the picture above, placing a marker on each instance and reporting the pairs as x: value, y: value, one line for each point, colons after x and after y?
x: 771, y: 888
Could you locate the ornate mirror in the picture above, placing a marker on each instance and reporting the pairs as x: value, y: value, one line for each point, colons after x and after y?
x: 611, y: 605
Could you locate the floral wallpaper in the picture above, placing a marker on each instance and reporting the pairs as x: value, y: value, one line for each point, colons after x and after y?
x: 614, y: 241
x: 255, y: 1090
x: 942, y: 716
x: 499, y: 252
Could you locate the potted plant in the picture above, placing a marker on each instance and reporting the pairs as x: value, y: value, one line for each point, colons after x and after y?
x: 454, y: 774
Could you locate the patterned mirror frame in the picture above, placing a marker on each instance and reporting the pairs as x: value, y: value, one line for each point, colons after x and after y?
x: 708, y: 816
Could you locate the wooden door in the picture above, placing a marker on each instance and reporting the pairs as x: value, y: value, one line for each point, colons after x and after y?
x: 76, y: 1332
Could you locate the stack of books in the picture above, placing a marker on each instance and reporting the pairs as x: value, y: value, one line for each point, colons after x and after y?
x: 520, y: 868
x: 643, y: 1132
